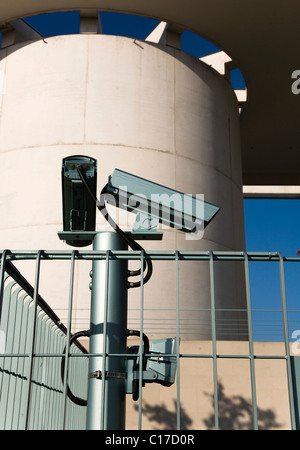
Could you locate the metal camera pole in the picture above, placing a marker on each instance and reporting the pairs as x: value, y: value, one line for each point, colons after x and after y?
x: 108, y: 325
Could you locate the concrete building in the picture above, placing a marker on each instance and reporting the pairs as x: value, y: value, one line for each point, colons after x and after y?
x: 181, y: 129
x: 148, y: 108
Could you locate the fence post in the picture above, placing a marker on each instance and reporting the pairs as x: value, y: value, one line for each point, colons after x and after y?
x: 106, y: 385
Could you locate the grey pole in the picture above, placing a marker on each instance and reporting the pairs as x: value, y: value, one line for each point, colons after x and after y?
x: 106, y: 397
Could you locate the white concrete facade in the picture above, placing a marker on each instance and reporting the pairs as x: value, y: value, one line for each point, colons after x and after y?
x: 248, y: 33
x: 147, y: 109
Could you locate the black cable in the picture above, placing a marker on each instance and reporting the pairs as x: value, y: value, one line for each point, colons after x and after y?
x: 130, y: 242
x: 146, y: 344
x: 77, y: 400
x: 135, y: 350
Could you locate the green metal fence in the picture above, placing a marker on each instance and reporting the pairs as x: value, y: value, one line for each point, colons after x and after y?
x: 33, y: 388
x: 33, y: 391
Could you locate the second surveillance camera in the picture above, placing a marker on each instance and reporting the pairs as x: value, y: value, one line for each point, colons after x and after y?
x: 79, y: 210
x: 172, y: 208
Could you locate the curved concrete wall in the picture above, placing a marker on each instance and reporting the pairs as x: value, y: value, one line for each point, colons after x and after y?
x: 149, y: 110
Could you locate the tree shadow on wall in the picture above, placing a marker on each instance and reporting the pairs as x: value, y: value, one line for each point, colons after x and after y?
x: 167, y: 419
x: 235, y: 413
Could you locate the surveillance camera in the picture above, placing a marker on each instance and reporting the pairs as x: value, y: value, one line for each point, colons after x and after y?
x: 79, y: 210
x: 161, y: 204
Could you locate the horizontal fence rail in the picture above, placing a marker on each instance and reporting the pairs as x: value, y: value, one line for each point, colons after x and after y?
x: 35, y: 344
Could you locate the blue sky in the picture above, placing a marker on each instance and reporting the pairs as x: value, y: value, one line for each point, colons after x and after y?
x: 125, y: 25
x: 271, y: 225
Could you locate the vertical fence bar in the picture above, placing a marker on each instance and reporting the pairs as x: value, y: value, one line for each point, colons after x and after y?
x: 286, y: 342
x: 99, y: 309
x: 44, y: 378
x: 48, y: 402
x: 32, y: 337
x: 141, y: 340
x: 214, y: 337
x: 250, y: 337
x: 10, y: 362
x: 5, y: 361
x: 2, y: 275
x: 38, y: 369
x: 103, y: 388
x: 20, y: 363
x: 177, y: 341
x: 25, y: 333
x: 58, y: 417
x: 68, y: 337
x: 52, y: 344
x: 45, y: 403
